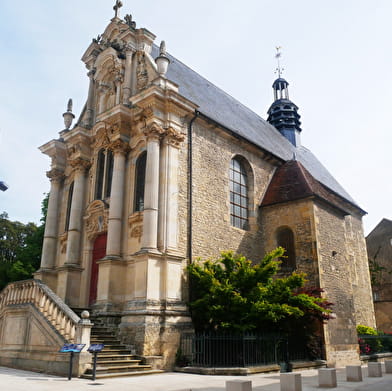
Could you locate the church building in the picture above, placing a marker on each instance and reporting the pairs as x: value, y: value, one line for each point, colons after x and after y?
x: 162, y: 167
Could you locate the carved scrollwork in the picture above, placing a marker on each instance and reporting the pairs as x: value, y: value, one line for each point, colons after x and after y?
x: 174, y: 138
x: 153, y: 131
x: 119, y: 146
x: 80, y: 164
x: 135, y: 222
x: 55, y: 175
x: 101, y: 139
x: 96, y: 219
x: 63, y: 242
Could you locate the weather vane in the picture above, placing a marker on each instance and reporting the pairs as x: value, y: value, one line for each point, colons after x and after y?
x: 116, y: 7
x: 279, y: 70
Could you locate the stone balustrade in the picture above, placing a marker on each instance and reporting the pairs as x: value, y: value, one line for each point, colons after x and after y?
x: 37, y: 294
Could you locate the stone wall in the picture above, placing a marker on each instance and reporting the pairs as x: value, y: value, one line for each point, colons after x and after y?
x: 213, y: 150
x: 340, y: 276
x: 28, y: 341
x: 299, y: 217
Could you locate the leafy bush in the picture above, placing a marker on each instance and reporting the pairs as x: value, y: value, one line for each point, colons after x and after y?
x: 366, y: 330
x: 231, y: 294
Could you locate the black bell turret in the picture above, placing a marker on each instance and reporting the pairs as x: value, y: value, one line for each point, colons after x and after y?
x: 283, y: 112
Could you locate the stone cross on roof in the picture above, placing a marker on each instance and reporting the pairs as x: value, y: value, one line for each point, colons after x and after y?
x: 116, y: 7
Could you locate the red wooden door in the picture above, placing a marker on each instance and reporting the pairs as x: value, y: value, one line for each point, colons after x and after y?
x: 99, y: 251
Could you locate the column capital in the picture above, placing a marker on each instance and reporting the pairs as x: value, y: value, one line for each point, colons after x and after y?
x: 119, y: 146
x: 153, y: 131
x: 55, y: 175
x: 129, y: 50
x: 174, y: 137
x: 80, y: 165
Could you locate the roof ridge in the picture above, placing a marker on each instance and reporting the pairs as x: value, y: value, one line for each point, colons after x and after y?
x: 213, y: 84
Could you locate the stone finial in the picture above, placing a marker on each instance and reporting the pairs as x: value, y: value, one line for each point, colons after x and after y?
x: 162, y: 60
x: 85, y: 314
x: 68, y: 115
x: 162, y: 49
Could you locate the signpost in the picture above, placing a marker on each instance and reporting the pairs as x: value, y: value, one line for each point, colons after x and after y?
x: 95, y: 349
x: 72, y: 348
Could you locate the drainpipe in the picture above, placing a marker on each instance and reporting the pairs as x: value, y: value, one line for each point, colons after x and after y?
x: 190, y: 184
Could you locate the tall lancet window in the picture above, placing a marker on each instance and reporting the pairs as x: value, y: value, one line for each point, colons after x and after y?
x: 238, y: 194
x: 140, y: 180
x: 104, y: 173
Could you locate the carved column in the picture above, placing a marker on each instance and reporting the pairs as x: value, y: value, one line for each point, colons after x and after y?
x: 120, y: 150
x: 151, y: 189
x: 168, y: 202
x: 90, y: 99
x: 49, y: 247
x: 127, y: 76
x: 75, y: 221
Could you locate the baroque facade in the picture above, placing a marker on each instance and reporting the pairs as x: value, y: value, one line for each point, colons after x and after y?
x: 163, y: 167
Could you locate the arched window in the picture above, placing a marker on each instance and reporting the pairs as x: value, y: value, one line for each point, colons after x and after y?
x: 140, y: 179
x: 238, y: 194
x: 285, y: 239
x: 69, y: 203
x: 104, y: 173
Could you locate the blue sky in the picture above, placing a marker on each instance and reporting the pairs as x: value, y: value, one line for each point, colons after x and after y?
x: 337, y: 58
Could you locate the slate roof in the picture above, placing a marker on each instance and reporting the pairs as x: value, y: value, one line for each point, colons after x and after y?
x: 219, y: 106
x: 292, y: 181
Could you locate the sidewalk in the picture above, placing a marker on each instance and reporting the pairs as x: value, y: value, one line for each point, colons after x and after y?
x: 17, y: 380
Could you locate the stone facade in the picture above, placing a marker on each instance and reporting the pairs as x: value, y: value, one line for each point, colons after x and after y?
x: 379, y: 247
x: 141, y: 184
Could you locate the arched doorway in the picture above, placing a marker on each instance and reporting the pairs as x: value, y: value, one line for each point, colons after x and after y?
x: 99, y: 251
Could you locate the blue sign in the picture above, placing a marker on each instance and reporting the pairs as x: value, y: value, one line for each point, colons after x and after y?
x: 72, y: 348
x: 96, y: 347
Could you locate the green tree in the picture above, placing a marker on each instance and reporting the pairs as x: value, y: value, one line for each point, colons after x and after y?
x: 232, y: 294
x: 20, y: 247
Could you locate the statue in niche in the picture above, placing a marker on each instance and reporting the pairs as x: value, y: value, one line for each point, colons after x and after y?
x: 141, y: 72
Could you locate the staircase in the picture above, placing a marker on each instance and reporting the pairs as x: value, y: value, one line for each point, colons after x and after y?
x: 115, y: 359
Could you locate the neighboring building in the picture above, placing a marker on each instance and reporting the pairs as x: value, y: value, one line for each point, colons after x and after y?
x: 379, y: 247
x: 162, y: 167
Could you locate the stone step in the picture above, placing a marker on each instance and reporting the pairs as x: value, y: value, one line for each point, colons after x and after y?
x: 131, y: 373
x: 117, y: 362
x: 116, y: 357
x: 119, y: 369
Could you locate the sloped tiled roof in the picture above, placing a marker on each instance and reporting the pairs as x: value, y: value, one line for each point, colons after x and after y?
x: 222, y: 108
x: 292, y: 181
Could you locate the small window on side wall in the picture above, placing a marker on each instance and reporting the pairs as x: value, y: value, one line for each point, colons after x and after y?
x: 238, y: 194
x: 285, y: 239
x: 140, y: 179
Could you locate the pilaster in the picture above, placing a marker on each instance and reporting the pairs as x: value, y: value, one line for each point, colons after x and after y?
x: 120, y: 149
x: 73, y: 255
x: 151, y: 193
x: 49, y: 247
x: 168, y: 201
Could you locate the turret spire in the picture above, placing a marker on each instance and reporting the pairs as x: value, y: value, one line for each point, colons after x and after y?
x: 283, y: 112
